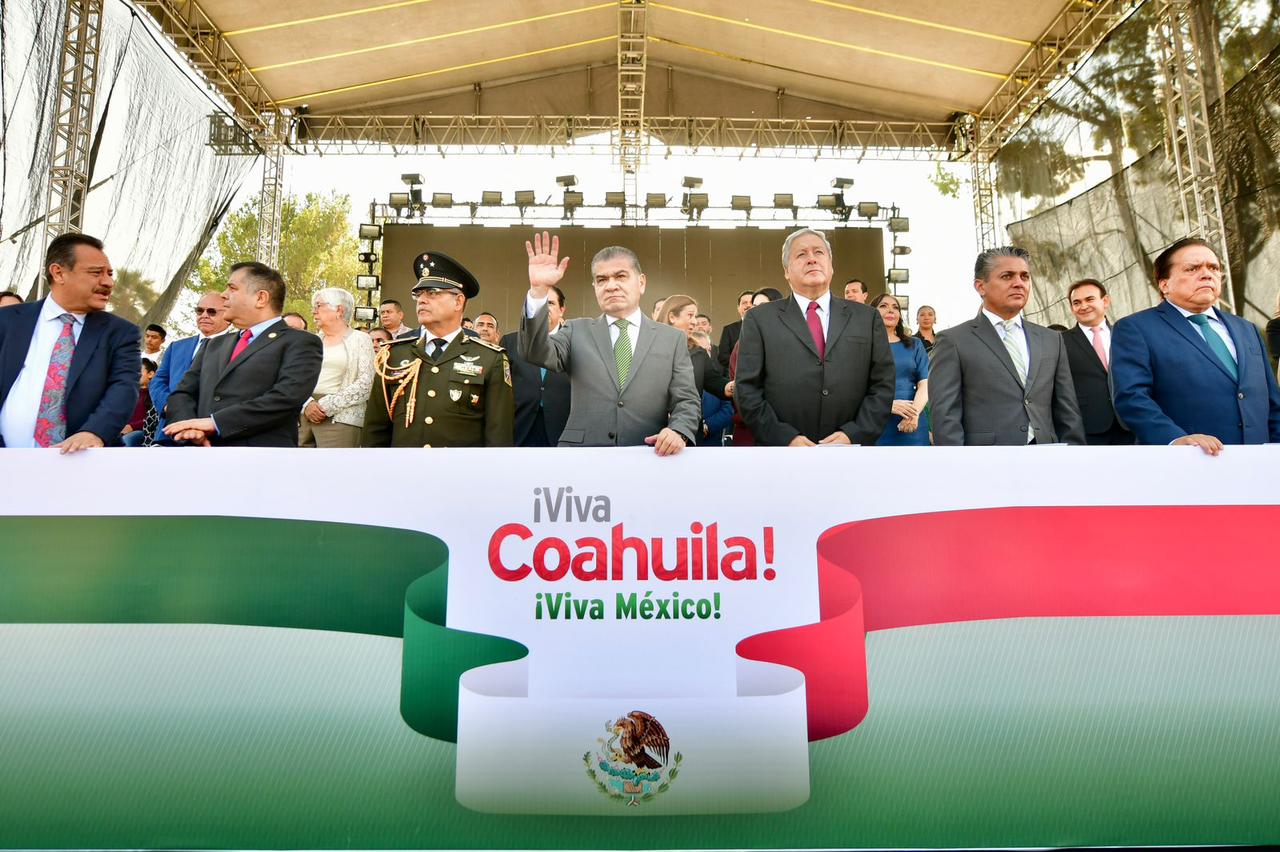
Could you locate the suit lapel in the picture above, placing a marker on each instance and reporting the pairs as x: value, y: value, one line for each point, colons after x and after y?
x: 841, y: 311
x: 1080, y: 339
x: 600, y: 334
x: 987, y: 334
x: 256, y: 345
x: 1035, y: 348
x: 1182, y: 325
x: 644, y: 341
x: 794, y: 320
x: 1241, y: 345
x: 94, y: 326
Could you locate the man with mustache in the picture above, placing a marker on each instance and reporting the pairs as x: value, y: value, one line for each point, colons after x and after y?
x: 1187, y: 373
x: 68, y: 369
x: 1000, y: 379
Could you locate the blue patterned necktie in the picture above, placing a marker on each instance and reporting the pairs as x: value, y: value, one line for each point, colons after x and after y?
x: 1216, y: 345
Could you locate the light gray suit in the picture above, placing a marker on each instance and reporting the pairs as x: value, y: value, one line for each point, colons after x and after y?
x: 660, y: 391
x: 976, y: 397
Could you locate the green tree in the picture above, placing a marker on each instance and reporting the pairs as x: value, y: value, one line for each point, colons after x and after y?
x: 132, y: 295
x: 317, y: 247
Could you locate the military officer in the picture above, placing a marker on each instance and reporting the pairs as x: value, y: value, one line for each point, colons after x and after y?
x: 445, y: 388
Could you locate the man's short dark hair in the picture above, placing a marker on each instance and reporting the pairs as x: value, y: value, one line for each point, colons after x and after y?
x: 62, y: 251
x: 1164, y: 262
x: 305, y: 324
x: 9, y: 294
x: 987, y: 259
x: 610, y: 252
x: 771, y: 293
x: 487, y: 314
x: 559, y: 295
x: 704, y: 316
x: 467, y: 319
x: 149, y: 365
x: 862, y: 284
x: 399, y: 306
x: 158, y: 329
x: 1086, y: 282
x: 751, y: 293
x: 263, y: 277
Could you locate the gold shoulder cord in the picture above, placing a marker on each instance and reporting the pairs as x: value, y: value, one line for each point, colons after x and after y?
x: 407, y: 380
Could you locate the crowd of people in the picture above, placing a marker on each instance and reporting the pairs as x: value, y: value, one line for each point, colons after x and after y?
x: 802, y: 368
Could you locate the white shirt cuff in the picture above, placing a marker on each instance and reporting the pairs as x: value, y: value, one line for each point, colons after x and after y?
x: 532, y: 305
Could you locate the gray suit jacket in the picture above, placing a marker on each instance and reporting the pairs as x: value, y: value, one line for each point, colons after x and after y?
x: 976, y: 398
x: 659, y: 392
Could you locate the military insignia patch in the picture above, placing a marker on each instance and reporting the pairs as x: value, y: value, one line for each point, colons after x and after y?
x: 475, y: 399
x: 633, y: 765
x: 455, y: 394
x: 506, y: 369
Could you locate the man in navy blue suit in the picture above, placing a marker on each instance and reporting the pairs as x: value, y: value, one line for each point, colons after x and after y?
x: 1185, y: 372
x: 211, y: 321
x: 68, y: 369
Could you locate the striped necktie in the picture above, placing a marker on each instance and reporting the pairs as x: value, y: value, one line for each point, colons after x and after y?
x: 1015, y: 351
x: 622, y: 352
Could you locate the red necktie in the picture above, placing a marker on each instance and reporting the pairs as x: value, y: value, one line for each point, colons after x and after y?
x: 1097, y: 347
x: 815, y: 328
x: 242, y: 344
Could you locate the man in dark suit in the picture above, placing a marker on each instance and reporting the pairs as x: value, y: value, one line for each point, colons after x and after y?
x: 68, y: 369
x: 731, y: 332
x: 1185, y: 372
x: 542, y: 396
x: 813, y: 369
x: 632, y: 378
x: 211, y: 321
x: 1089, y: 354
x: 247, y: 389
x: 999, y: 378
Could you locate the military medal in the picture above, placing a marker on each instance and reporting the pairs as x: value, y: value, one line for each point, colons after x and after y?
x: 455, y: 394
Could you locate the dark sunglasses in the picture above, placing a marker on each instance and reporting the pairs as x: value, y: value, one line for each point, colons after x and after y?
x: 206, y: 312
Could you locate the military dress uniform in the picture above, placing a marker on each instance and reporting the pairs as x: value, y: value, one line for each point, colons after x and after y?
x: 462, y: 398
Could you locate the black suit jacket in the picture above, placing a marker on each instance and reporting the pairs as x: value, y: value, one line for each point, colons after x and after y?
x: 255, y: 400
x: 1093, y: 388
x: 728, y: 339
x: 542, y: 405
x: 784, y: 390
x: 102, y: 381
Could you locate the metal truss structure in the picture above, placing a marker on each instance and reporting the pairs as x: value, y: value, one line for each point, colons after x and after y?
x: 1190, y: 144
x: 632, y: 61
x: 269, y: 202
x: 73, y: 122
x: 981, y: 159
x: 883, y: 140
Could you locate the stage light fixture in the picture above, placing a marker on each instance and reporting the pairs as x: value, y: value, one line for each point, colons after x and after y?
x: 691, y: 182
x: 899, y: 276
x: 413, y: 179
x: 899, y: 224
x: 370, y: 232
x: 369, y: 257
x: 572, y: 199
x: 830, y: 202
x: 868, y: 209
x: 567, y: 180
x: 901, y: 250
x: 655, y: 199
x: 398, y: 200
x: 442, y: 199
x: 615, y: 199
x: 491, y: 198
x: 740, y: 202
x: 842, y: 183
x: 366, y: 282
x: 784, y: 200
x: 525, y: 197
x: 698, y: 200
x: 366, y: 314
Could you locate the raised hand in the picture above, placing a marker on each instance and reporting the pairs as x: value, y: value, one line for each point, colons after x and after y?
x: 545, y: 266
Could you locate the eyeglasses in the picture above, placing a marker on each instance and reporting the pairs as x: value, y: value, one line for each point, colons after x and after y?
x: 206, y: 312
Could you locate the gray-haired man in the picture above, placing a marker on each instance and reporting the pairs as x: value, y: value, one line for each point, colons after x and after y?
x: 998, y: 378
x: 813, y: 369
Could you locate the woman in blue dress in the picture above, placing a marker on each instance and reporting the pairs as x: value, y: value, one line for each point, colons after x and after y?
x: 908, y: 425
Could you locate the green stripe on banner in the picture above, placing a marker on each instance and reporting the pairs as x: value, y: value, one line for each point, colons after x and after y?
x: 253, y: 571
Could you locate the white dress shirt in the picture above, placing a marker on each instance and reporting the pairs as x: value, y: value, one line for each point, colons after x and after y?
x: 1019, y: 337
x: 426, y: 337
x: 18, y: 417
x: 824, y: 309
x: 1214, y: 323
x: 1105, y: 329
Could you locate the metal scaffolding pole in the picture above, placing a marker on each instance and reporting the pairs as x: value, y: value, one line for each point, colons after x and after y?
x: 1189, y: 142
x: 632, y: 60
x: 983, y: 172
x: 73, y: 122
x: 269, y: 201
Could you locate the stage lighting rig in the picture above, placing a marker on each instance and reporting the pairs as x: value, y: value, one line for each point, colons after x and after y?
x: 899, y: 276
x: 901, y: 250
x: 899, y: 224
x: 655, y: 199
x: 841, y: 183
x: 694, y: 204
x: 691, y: 182
x: 367, y: 314
x: 370, y: 232
x: 412, y: 179
x: 526, y: 197
x: 366, y: 282
x: 442, y: 199
x: 368, y: 257
x: 567, y: 181
x: 491, y: 198
x: 868, y: 209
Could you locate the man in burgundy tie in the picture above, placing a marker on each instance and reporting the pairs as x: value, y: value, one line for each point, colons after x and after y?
x: 68, y: 369
x: 813, y: 369
x: 245, y: 389
x: 1089, y: 354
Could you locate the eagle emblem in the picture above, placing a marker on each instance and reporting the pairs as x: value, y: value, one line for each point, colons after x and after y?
x: 634, y: 764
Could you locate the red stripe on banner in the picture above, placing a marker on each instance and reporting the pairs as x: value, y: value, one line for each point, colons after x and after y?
x: 1036, y: 562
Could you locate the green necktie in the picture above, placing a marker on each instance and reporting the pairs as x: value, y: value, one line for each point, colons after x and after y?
x: 622, y: 352
x: 1215, y: 343
x: 1015, y: 352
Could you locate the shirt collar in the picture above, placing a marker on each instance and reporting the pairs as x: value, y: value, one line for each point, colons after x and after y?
x: 52, y: 310
x: 634, y: 318
x: 997, y: 320
x: 1212, y: 314
x: 258, y: 329
x: 427, y: 336
x: 824, y: 302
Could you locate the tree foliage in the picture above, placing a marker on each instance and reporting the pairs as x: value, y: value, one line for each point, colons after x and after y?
x: 317, y: 247
x: 132, y: 295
